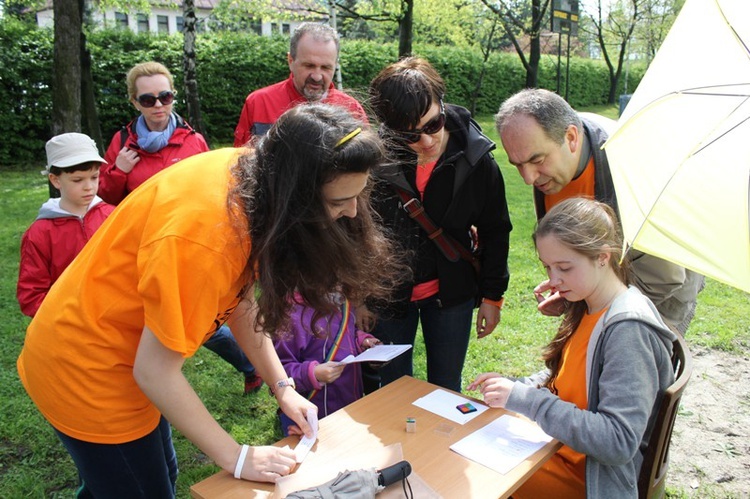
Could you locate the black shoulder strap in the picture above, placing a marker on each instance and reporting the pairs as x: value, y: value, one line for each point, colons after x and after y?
x: 123, y: 136
x: 469, y: 157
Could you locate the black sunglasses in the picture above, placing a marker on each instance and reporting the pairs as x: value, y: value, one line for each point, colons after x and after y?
x: 147, y: 100
x: 430, y: 128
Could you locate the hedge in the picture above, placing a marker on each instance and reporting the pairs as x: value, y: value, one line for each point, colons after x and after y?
x: 230, y: 65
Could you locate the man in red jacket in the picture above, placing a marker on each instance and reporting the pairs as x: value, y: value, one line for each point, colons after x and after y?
x: 312, y: 57
x: 64, y: 224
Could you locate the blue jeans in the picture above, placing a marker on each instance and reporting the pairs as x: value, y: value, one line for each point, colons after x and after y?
x: 223, y: 344
x: 446, y: 334
x: 144, y: 468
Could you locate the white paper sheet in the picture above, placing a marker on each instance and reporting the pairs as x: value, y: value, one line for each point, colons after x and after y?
x: 503, y: 444
x: 446, y: 404
x: 378, y: 353
x: 305, y: 443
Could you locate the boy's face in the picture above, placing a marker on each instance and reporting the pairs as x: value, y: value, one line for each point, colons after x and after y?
x: 77, y: 189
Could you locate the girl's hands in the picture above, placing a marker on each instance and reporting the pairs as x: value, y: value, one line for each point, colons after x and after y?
x: 494, y: 388
x: 552, y: 304
x: 368, y: 343
x: 267, y: 463
x: 329, y: 372
x: 295, y: 406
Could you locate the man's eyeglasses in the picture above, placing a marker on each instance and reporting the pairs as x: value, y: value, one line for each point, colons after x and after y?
x: 430, y: 128
x: 147, y: 100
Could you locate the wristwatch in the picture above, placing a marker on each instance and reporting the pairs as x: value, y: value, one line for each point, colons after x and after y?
x: 283, y: 383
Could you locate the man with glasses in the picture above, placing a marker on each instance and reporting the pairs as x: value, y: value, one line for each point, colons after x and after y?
x: 442, y: 188
x: 312, y: 57
x: 558, y: 151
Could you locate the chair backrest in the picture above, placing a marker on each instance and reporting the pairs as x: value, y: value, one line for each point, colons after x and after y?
x: 653, y: 477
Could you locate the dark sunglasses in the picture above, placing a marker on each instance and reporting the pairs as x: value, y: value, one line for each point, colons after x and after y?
x: 430, y: 128
x: 147, y: 100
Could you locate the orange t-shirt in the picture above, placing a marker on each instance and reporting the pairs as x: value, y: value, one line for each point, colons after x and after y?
x: 430, y: 288
x: 170, y: 257
x: 564, y: 475
x: 583, y: 186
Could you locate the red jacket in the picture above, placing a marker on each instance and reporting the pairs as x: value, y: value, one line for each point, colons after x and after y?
x: 115, y: 184
x: 48, y: 247
x: 264, y: 106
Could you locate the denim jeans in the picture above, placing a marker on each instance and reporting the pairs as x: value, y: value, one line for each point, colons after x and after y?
x: 223, y: 344
x: 144, y: 468
x: 446, y: 334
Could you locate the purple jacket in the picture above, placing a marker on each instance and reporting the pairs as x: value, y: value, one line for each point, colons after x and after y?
x: 300, y: 351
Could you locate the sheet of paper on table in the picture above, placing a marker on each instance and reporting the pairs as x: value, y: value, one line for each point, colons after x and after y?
x: 378, y: 353
x: 503, y: 444
x: 450, y: 406
x: 305, y: 444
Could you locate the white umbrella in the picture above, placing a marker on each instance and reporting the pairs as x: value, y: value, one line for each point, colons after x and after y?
x: 680, y: 157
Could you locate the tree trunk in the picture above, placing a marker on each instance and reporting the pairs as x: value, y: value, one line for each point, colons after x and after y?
x: 90, y: 113
x: 66, y: 82
x: 535, y: 51
x: 405, y: 26
x: 66, y: 69
x: 192, y: 99
x: 486, y: 51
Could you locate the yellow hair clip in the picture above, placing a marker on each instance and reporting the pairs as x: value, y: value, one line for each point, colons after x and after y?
x: 348, y: 137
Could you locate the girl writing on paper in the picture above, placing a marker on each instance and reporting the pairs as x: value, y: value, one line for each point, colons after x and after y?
x: 227, y: 236
x: 607, y: 367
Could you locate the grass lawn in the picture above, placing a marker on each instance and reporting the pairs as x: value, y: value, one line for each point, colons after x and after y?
x: 33, y: 463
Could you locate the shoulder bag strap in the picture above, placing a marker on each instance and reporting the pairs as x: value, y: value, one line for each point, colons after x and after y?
x: 449, y: 247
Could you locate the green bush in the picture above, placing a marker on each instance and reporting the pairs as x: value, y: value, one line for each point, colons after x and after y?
x: 25, y: 96
x: 230, y: 65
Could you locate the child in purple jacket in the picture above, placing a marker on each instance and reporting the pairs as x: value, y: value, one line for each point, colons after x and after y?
x: 311, y: 356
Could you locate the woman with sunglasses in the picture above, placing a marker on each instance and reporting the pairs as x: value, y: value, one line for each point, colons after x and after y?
x: 443, y: 163
x: 158, y: 138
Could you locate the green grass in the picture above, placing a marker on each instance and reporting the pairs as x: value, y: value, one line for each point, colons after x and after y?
x: 33, y: 463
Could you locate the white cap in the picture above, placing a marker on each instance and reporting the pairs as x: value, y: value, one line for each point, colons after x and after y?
x: 71, y: 149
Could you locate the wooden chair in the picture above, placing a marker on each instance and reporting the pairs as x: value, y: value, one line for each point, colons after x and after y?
x: 653, y: 477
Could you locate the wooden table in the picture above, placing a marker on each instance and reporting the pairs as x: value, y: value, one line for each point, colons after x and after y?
x: 378, y: 420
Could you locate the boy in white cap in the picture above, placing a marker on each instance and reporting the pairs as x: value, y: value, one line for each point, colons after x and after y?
x: 64, y: 224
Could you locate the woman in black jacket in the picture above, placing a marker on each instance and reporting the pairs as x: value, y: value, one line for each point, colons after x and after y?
x: 443, y: 164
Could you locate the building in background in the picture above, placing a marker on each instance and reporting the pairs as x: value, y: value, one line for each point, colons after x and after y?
x: 166, y: 18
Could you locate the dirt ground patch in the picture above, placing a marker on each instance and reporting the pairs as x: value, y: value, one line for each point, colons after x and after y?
x: 710, y: 452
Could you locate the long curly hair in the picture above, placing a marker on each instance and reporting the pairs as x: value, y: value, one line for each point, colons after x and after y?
x: 590, y: 228
x: 296, y: 246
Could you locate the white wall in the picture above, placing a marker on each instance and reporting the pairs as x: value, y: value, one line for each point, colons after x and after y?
x: 45, y: 18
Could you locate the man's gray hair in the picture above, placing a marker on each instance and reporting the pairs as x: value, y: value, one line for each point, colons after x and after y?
x: 320, y: 32
x: 550, y: 110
